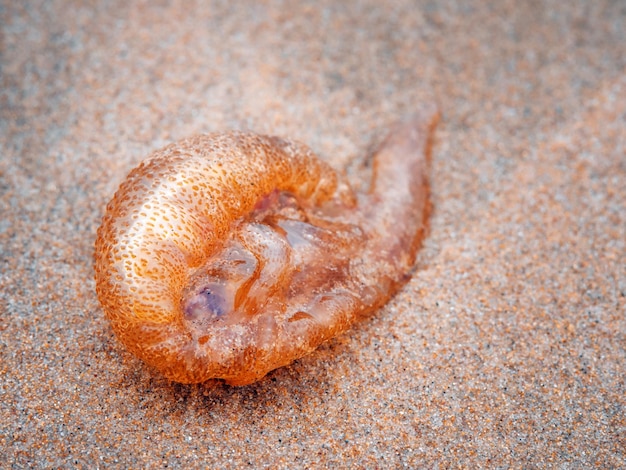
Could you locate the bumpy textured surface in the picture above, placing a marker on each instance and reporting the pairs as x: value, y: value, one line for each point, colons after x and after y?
x: 229, y: 255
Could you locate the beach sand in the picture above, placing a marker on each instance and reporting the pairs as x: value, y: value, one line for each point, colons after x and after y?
x: 507, y: 348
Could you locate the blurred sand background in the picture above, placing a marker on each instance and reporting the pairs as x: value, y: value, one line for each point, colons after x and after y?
x: 506, y: 349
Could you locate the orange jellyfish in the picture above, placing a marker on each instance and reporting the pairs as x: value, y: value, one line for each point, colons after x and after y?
x: 230, y: 255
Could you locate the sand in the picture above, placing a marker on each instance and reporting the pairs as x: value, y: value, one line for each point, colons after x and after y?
x: 507, y: 348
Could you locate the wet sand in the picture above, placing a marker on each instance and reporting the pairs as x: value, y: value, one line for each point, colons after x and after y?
x: 506, y: 348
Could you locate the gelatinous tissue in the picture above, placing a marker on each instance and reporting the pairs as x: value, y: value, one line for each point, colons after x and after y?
x: 230, y: 255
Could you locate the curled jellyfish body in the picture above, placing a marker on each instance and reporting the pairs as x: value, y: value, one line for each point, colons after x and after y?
x: 230, y: 255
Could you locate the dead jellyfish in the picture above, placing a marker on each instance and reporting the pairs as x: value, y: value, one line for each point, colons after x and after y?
x: 229, y: 255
